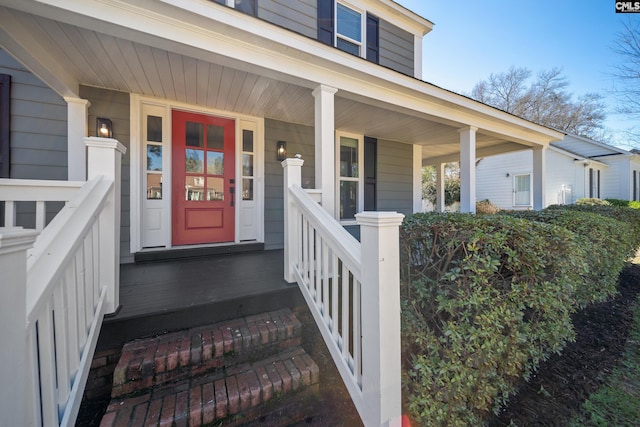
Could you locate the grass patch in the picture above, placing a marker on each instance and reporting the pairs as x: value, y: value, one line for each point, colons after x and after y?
x: 616, y: 403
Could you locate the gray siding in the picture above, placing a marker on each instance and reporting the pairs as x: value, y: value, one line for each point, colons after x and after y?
x: 395, y: 177
x: 299, y: 16
x: 396, y: 48
x: 38, y: 134
x: 300, y: 140
x: 115, y: 106
x: 38, y: 125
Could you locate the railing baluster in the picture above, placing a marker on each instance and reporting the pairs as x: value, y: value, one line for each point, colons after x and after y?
x: 61, y: 344
x: 72, y: 313
x: 335, y: 298
x: 47, y: 367
x: 326, y: 298
x: 41, y: 215
x: 344, y: 315
x: 87, y: 247
x: 312, y: 261
x: 357, y: 336
x: 9, y: 213
x: 80, y: 297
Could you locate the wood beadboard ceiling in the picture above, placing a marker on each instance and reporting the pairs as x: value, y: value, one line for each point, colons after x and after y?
x: 104, y: 61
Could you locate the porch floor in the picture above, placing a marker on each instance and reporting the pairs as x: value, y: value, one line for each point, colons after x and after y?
x: 163, y: 296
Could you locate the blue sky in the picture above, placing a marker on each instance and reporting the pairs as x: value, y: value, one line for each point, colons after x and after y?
x: 472, y: 39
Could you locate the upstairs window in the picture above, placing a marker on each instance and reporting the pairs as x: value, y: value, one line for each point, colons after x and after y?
x: 348, y: 28
x: 250, y: 7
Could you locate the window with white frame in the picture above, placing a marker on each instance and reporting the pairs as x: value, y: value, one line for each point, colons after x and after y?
x: 522, y: 190
x: 349, y: 29
x: 350, y: 188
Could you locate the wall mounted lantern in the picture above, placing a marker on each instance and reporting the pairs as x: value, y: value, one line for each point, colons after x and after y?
x: 281, y: 150
x: 104, y: 128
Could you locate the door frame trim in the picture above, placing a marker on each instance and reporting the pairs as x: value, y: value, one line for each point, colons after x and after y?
x: 137, y: 170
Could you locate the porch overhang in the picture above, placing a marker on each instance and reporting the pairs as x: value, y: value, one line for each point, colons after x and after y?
x: 220, y: 58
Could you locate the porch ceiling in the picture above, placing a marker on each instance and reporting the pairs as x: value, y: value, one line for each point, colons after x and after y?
x: 134, y: 63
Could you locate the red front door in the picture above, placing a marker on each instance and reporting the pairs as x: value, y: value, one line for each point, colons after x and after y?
x: 203, y: 180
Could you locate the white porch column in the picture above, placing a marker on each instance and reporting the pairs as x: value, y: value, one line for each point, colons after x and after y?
x: 539, y: 176
x: 292, y: 175
x: 381, y: 358
x: 468, y: 169
x: 417, y: 178
x: 104, y: 157
x: 325, y: 145
x: 15, y: 402
x: 77, y: 130
x: 440, y: 197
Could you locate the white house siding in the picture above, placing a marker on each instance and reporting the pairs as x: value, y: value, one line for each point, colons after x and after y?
x: 115, y: 106
x: 300, y: 140
x: 560, y: 174
x: 619, y: 176
x: 492, y: 182
x: 38, y: 134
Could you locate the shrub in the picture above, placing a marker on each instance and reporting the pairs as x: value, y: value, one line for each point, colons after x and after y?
x: 485, y: 299
x: 590, y: 201
x: 485, y: 207
x: 606, y: 241
x: 624, y: 203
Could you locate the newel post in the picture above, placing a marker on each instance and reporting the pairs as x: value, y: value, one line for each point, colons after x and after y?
x: 14, y: 375
x: 381, y: 370
x: 104, y: 157
x: 292, y: 176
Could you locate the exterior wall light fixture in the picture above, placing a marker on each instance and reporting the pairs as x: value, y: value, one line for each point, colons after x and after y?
x: 104, y: 128
x: 281, y: 150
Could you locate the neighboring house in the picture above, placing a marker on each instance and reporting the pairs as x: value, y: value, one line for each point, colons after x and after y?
x: 207, y: 95
x: 576, y: 168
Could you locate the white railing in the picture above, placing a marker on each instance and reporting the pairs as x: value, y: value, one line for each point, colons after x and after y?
x: 57, y: 289
x: 353, y: 291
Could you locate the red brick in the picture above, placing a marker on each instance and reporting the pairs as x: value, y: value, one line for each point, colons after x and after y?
x: 246, y: 338
x: 195, y: 406
x: 148, y: 362
x: 274, y: 377
x: 227, y: 337
x: 313, y: 368
x: 218, y: 342
x: 264, y: 333
x: 285, y: 375
x: 273, y: 330
x: 295, y: 374
x: 172, y: 353
x: 237, y: 340
x: 160, y: 360
x: 153, y: 414
x: 120, y: 372
x: 265, y: 383
x: 98, y: 362
x: 196, y: 349
x: 222, y: 402
x: 139, y: 414
x: 168, y: 408
x: 254, y: 388
x: 124, y: 415
x: 182, y: 407
x: 233, y: 395
x: 207, y: 345
x: 185, y: 351
x: 108, y: 419
x: 208, y: 404
x: 244, y: 391
x: 305, y: 372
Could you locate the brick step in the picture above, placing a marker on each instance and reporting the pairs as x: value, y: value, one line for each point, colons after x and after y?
x: 230, y: 396
x: 150, y: 362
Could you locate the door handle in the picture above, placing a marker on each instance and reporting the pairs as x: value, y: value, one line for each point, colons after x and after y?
x: 232, y: 191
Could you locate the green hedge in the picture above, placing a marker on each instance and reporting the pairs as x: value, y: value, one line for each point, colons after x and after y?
x: 624, y: 203
x: 485, y: 299
x: 607, y: 242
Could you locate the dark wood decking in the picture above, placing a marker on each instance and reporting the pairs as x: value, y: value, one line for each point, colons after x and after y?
x: 168, y: 295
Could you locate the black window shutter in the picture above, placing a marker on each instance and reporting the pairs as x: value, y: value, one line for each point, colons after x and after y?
x: 326, y: 14
x: 598, y: 175
x: 635, y: 186
x: 590, y: 182
x: 5, y: 122
x: 373, y: 39
x: 370, y: 173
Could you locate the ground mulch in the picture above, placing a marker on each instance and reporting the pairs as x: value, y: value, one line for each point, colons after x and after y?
x: 561, y: 385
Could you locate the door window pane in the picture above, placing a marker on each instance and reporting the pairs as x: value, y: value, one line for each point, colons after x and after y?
x: 523, y: 190
x: 194, y: 134
x: 215, y: 188
x: 154, y: 186
x: 247, y: 140
x: 194, y: 188
x: 194, y: 162
x: 215, y: 163
x: 348, y: 199
x: 154, y: 158
x: 154, y: 128
x: 215, y: 137
x: 247, y: 164
x: 247, y: 189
